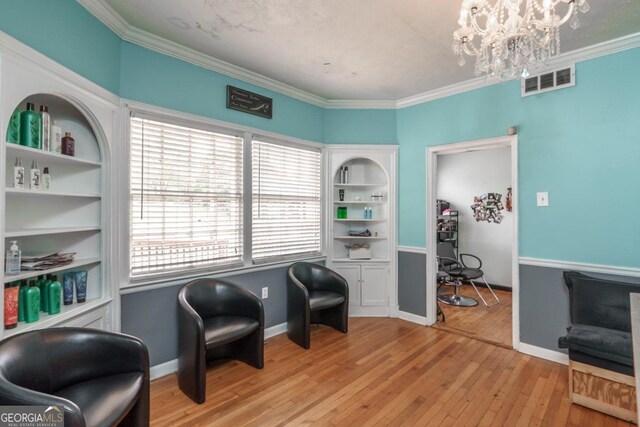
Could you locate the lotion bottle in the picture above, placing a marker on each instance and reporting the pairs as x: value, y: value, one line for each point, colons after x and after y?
x: 35, y: 175
x: 46, y: 179
x: 56, y: 138
x: 13, y: 259
x: 18, y: 174
x: 33, y: 303
x: 54, y: 289
x: 45, y: 128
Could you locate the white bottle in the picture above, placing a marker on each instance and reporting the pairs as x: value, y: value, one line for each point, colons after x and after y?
x: 56, y: 138
x: 13, y: 259
x: 18, y: 174
x: 45, y: 128
x: 46, y: 179
x: 35, y: 176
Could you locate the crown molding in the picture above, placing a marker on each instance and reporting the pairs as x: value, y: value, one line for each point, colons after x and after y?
x: 105, y: 13
x: 590, y: 52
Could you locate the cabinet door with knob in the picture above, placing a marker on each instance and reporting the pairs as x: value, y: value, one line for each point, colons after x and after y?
x: 374, y: 282
x: 351, y: 273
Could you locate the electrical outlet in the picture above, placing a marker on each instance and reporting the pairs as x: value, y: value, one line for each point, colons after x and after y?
x: 265, y: 292
x: 542, y: 198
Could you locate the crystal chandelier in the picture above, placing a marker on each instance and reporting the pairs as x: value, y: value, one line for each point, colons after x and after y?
x: 508, y: 37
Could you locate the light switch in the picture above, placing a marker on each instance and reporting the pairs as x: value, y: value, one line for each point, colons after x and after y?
x: 543, y: 198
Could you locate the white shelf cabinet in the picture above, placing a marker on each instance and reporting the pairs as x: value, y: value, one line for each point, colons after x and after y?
x: 372, y: 171
x: 75, y: 215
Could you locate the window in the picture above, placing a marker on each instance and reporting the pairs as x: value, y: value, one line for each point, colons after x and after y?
x: 286, y: 200
x: 186, y: 205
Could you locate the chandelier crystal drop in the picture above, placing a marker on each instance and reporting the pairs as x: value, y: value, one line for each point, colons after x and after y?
x: 511, y: 37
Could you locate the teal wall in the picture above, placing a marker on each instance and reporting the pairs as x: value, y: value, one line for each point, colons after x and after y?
x: 157, y: 79
x: 580, y: 144
x: 344, y: 126
x: 65, y: 32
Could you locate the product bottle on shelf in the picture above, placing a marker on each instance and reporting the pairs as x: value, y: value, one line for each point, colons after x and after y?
x: 46, y: 179
x: 22, y: 301
x: 33, y: 303
x: 13, y: 131
x: 54, y: 289
x: 41, y: 283
x: 35, y: 175
x: 13, y: 259
x: 56, y: 138
x: 81, y: 285
x: 44, y: 295
x: 11, y: 302
x: 45, y: 128
x: 18, y: 174
x: 30, y: 127
x: 68, y: 145
x: 68, y: 282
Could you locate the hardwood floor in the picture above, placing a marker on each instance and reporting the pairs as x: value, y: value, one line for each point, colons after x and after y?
x: 383, y: 372
x: 491, y: 324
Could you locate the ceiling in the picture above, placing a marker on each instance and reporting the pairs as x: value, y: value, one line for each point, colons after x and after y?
x: 345, y: 50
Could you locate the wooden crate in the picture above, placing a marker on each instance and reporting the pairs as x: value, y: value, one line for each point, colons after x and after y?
x: 603, y: 390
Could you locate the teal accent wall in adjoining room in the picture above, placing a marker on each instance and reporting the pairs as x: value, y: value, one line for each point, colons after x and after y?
x: 581, y: 144
x: 157, y: 79
x: 374, y: 126
x: 67, y: 33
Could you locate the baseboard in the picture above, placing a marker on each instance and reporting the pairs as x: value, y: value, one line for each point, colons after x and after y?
x: 379, y: 311
x: 544, y: 353
x: 166, y: 368
x: 413, y: 318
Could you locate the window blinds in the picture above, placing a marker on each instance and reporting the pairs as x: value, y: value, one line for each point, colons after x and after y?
x: 286, y: 200
x: 185, y: 199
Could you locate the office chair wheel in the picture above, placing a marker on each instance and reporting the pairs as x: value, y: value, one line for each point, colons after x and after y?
x: 457, y: 300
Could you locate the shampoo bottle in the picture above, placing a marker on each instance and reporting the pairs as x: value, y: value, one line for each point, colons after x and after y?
x: 44, y: 295
x: 33, y: 303
x: 68, y: 145
x: 13, y: 259
x: 81, y: 286
x: 18, y: 174
x: 45, y: 128
x: 30, y: 127
x: 22, y: 301
x: 56, y: 138
x: 41, y: 284
x: 13, y: 131
x: 11, y: 295
x: 68, y: 282
x: 46, y: 179
x: 54, y: 289
x: 35, y: 175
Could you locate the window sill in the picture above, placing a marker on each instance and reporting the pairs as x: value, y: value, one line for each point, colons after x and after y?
x: 142, y: 285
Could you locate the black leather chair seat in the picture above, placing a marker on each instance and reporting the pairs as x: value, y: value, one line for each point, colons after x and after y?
x: 220, y: 330
x: 466, y: 273
x: 105, y: 401
x: 604, y: 343
x: 319, y: 300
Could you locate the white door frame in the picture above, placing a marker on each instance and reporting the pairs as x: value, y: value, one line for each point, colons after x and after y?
x: 432, y: 176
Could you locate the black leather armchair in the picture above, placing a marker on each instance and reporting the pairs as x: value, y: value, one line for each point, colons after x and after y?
x: 217, y: 320
x: 315, y: 294
x: 100, y: 378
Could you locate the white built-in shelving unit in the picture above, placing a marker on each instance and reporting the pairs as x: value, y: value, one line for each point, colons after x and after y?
x: 72, y: 216
x: 372, y: 172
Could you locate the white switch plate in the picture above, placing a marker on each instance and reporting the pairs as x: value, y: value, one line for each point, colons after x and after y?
x: 542, y: 198
x: 265, y: 293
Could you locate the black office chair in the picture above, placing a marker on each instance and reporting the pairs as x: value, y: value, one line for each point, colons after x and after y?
x: 315, y: 294
x: 217, y: 320
x: 456, y: 268
x: 97, y: 378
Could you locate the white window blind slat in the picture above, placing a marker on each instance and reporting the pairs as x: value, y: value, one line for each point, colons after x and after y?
x: 185, y: 199
x: 286, y: 200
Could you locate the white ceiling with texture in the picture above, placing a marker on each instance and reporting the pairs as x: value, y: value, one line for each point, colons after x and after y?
x: 345, y: 49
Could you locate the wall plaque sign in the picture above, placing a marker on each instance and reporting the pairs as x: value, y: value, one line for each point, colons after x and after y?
x: 249, y: 102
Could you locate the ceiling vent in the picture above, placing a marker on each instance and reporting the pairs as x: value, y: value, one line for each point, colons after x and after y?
x: 551, y: 80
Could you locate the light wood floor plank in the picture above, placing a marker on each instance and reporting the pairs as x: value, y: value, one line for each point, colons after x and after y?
x: 383, y: 372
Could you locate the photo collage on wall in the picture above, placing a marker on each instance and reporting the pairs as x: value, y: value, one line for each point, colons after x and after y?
x: 488, y: 208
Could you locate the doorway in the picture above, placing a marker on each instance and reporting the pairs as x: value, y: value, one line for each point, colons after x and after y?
x: 472, y: 209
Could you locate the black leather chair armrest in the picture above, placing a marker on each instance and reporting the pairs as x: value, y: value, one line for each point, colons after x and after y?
x: 190, y: 323
x: 464, y: 264
x: 23, y: 396
x: 296, y: 290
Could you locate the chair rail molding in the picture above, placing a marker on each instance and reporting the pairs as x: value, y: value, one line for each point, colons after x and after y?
x: 581, y: 266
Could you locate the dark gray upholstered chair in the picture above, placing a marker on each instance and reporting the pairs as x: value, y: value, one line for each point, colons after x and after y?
x: 315, y: 294
x: 456, y: 268
x: 217, y: 320
x: 99, y: 378
x: 600, y: 313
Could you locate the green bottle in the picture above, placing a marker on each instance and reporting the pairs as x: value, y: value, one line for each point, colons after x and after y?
x: 30, y: 127
x: 22, y: 301
x: 41, y: 285
x: 33, y: 303
x: 54, y: 290
x: 44, y: 295
x: 13, y: 131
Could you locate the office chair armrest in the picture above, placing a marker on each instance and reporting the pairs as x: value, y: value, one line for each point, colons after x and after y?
x: 454, y: 263
x: 464, y: 264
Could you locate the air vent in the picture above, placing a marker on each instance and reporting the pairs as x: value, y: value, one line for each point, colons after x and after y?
x: 552, y: 80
